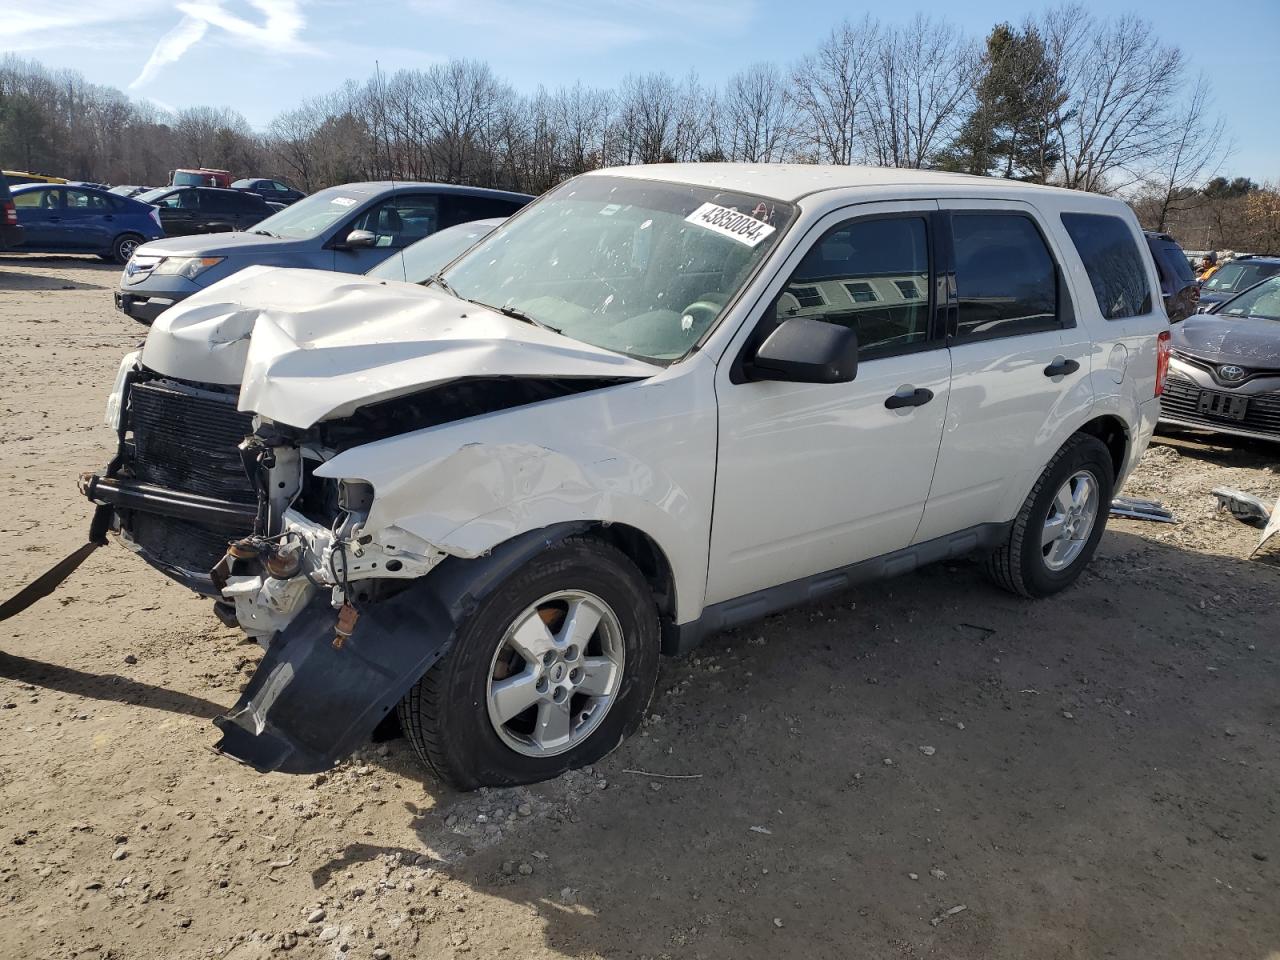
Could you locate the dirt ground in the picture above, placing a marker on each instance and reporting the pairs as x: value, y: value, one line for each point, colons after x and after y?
x: 923, y: 768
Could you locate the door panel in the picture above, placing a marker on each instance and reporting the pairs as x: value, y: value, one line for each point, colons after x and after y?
x: 40, y: 213
x: 87, y: 221
x: 1004, y: 412
x: 812, y: 477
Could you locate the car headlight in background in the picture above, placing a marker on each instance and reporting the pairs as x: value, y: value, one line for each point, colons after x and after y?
x: 189, y: 267
x: 115, y: 400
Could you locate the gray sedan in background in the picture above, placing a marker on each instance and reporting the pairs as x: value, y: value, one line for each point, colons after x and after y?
x: 348, y: 229
x: 1224, y: 371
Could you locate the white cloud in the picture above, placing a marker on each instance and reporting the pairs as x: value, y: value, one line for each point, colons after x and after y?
x: 279, y: 32
x: 171, y: 47
x: 36, y: 26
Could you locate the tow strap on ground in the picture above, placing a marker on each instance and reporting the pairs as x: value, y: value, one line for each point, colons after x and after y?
x: 51, y: 579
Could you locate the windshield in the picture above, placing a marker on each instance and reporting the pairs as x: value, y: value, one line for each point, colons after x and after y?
x: 151, y: 196
x: 1238, y: 276
x: 635, y: 266
x: 1262, y: 301
x: 311, y: 215
x: 419, y: 262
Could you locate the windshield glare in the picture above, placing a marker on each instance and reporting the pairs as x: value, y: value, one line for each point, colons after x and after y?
x: 419, y: 262
x: 642, y: 268
x: 1262, y: 301
x: 311, y: 215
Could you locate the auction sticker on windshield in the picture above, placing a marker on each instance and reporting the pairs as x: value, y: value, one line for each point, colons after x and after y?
x: 730, y: 223
x: 343, y: 201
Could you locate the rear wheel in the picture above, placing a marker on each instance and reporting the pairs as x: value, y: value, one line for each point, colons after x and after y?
x: 124, y: 246
x: 551, y: 671
x: 1056, y: 532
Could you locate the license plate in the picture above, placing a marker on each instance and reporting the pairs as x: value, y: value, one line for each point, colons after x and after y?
x: 1223, y: 405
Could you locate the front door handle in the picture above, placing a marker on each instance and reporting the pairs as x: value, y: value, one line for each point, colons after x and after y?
x: 917, y: 398
x: 1060, y: 367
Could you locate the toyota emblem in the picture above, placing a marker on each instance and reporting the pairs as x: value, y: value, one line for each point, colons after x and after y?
x: 1229, y: 371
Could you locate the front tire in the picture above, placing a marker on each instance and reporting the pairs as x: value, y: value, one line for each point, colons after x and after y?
x: 550, y: 672
x: 1056, y: 532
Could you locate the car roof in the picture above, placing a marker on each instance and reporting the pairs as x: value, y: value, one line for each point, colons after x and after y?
x: 371, y: 187
x: 1255, y: 258
x: 793, y: 181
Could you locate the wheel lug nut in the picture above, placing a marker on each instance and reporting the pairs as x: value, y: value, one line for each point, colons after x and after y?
x: 560, y: 694
x: 548, y: 658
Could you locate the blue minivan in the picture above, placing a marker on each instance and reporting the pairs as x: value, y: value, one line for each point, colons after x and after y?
x: 60, y: 218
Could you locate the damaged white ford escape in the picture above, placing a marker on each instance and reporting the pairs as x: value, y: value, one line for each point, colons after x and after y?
x: 656, y: 403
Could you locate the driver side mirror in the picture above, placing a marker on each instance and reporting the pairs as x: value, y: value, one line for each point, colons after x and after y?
x: 804, y: 350
x: 359, y: 238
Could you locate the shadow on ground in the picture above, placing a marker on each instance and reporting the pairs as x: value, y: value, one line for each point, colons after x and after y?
x: 105, y: 686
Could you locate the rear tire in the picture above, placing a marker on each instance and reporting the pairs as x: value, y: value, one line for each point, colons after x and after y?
x: 524, y: 642
x: 123, y: 247
x: 1056, y: 532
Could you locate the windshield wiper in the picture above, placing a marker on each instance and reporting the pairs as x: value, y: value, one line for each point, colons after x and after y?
x: 440, y: 281
x: 265, y: 233
x: 515, y: 314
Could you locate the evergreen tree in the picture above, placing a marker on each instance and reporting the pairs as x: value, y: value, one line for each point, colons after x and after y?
x: 1019, y: 101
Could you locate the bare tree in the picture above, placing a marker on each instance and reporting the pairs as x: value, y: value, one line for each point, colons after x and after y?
x: 830, y: 89
x: 922, y: 81
x: 1196, y: 153
x: 756, y: 116
x: 1121, y: 81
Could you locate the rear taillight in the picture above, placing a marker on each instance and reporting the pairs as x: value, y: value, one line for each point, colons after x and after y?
x: 1162, y: 360
x: 10, y: 215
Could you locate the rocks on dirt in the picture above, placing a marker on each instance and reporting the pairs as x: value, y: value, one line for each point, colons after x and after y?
x: 315, y: 916
x: 928, y: 751
x: 938, y: 874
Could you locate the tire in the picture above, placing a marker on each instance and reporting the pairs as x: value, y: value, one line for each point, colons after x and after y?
x: 1024, y: 564
x: 123, y: 246
x: 449, y: 715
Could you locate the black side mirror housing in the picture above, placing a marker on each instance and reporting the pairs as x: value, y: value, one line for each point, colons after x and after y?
x: 804, y: 350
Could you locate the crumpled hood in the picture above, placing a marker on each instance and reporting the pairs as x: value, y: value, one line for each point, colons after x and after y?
x: 1245, y: 341
x: 215, y: 245
x: 309, y: 344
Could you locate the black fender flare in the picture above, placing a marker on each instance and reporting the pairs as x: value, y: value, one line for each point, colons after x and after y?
x: 310, y: 704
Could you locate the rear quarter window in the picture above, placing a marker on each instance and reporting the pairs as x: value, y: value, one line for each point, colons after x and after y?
x: 1114, y: 263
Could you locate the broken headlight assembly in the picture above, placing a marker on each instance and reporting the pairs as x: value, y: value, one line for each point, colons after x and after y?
x: 115, y: 400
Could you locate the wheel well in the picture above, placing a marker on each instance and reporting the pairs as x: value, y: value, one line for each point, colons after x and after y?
x: 1113, y: 433
x: 653, y: 565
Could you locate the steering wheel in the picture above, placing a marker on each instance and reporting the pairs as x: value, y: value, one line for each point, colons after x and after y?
x: 700, y: 314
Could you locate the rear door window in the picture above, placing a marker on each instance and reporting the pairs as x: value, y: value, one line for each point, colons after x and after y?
x: 1113, y: 262
x: 463, y: 209
x: 401, y: 220
x: 1006, y: 279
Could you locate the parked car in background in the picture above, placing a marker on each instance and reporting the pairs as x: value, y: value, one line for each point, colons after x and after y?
x: 18, y: 177
x: 66, y: 219
x: 1179, y: 287
x: 197, y: 210
x: 348, y: 229
x: 11, y: 231
x: 1224, y: 373
x: 660, y: 402
x: 1236, y: 276
x: 271, y: 190
x: 129, y: 190
x: 199, y: 177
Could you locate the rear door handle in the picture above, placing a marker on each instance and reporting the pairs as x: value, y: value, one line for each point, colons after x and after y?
x: 917, y: 398
x: 1060, y: 367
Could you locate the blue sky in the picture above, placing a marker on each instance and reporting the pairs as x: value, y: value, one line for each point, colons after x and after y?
x: 263, y: 56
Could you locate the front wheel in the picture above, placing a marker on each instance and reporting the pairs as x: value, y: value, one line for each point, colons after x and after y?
x: 1056, y: 532
x: 550, y: 672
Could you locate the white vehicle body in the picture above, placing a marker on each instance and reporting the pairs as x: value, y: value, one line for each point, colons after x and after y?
x: 750, y: 495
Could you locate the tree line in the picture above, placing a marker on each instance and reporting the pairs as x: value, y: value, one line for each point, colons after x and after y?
x: 1065, y: 97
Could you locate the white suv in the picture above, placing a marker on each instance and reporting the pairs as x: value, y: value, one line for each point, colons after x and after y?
x: 658, y: 402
